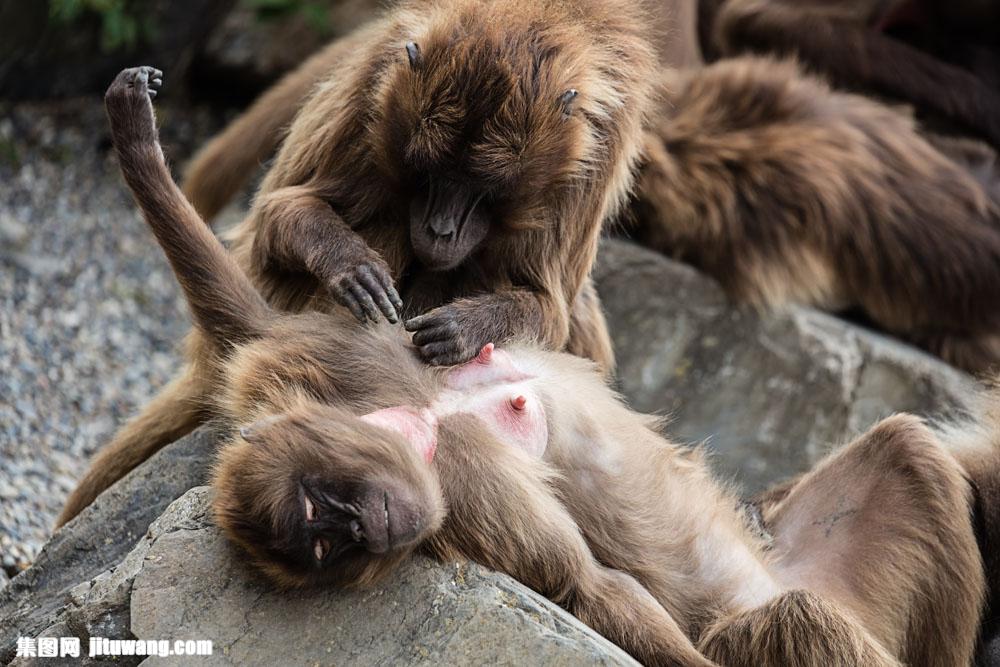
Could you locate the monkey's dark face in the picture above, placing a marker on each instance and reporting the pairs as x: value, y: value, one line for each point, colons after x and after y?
x: 321, y: 496
x: 478, y: 132
x: 448, y: 221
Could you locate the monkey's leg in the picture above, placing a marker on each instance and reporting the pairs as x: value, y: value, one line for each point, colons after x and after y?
x: 796, y: 628
x: 853, y: 54
x: 176, y: 411
x: 223, y: 166
x: 503, y: 514
x: 883, y: 530
x: 298, y: 231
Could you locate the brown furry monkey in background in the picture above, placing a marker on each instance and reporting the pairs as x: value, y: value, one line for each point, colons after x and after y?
x: 941, y: 57
x: 347, y: 453
x: 453, y: 169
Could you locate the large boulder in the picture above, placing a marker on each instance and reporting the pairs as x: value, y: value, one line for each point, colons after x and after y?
x: 183, y: 580
x: 99, y: 538
x: 769, y: 394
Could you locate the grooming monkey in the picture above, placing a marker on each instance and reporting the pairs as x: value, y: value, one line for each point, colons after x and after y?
x: 353, y: 453
x: 786, y: 191
x: 852, y: 42
x: 454, y: 170
x: 778, y: 187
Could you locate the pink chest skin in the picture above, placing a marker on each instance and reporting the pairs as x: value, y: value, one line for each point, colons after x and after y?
x: 492, y: 388
x: 489, y: 387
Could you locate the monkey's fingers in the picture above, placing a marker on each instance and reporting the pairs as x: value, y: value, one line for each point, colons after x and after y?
x: 390, y: 288
x: 436, y: 334
x: 443, y: 354
x: 147, y: 78
x: 365, y: 299
x: 346, y: 299
x: 422, y: 321
x: 367, y: 276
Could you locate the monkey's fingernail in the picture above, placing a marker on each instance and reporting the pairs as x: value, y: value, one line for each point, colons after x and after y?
x: 320, y: 548
x: 310, y: 509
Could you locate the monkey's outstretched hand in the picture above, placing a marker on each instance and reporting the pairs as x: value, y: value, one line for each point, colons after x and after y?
x: 448, y: 335
x: 128, y: 101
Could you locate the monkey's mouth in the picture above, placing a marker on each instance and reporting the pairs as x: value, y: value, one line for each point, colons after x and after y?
x: 448, y: 221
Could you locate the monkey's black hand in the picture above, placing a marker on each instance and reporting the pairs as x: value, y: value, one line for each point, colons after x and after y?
x: 129, y: 106
x: 367, y: 290
x: 445, y: 336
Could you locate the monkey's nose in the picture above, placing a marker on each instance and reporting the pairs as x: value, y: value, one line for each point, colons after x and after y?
x: 444, y: 226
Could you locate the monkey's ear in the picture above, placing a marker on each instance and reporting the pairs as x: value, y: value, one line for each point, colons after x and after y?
x: 251, y: 432
x: 413, y: 53
x: 567, y: 102
x: 418, y: 428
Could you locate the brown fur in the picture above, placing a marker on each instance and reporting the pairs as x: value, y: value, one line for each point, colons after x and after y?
x: 218, y: 171
x: 784, y: 190
x: 874, y: 562
x: 843, y: 40
x: 334, y: 205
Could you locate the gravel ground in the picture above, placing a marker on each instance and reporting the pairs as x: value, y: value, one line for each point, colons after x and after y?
x: 90, y: 316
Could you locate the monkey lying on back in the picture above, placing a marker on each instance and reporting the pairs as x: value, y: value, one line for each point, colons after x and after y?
x: 353, y: 453
x: 454, y: 169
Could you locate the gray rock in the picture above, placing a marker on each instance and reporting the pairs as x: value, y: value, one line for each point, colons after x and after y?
x: 99, y: 537
x: 769, y: 394
x: 184, y: 581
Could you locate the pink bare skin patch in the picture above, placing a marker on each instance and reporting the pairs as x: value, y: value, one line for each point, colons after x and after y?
x: 491, y: 366
x: 419, y: 427
x: 492, y: 388
x: 489, y: 387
